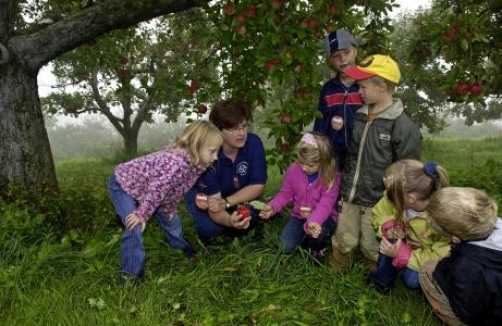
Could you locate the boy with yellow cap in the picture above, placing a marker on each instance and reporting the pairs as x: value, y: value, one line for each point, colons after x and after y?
x: 382, y: 134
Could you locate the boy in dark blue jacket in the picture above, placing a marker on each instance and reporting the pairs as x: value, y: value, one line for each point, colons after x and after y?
x: 339, y: 98
x: 465, y: 288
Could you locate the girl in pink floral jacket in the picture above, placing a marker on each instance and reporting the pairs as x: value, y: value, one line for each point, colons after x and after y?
x: 154, y: 184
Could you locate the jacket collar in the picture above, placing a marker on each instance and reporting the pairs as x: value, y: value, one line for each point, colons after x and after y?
x: 391, y: 113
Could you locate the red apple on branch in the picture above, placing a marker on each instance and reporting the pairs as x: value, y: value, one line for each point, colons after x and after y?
x: 240, y: 17
x: 450, y: 33
x: 241, y: 30
x: 276, y: 4
x: 332, y: 8
x: 475, y: 89
x: 202, y: 109
x: 229, y: 8
x: 462, y: 88
x: 286, y: 118
x: 269, y: 65
x: 284, y: 147
x: 251, y: 11
x: 311, y: 23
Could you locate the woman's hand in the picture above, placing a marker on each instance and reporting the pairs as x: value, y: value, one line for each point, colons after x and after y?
x: 239, y: 222
x: 216, y: 205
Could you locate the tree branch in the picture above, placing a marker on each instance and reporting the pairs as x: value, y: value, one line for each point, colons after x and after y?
x: 103, y: 107
x: 39, y: 48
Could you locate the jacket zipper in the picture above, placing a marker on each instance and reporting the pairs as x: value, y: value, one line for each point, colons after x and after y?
x: 358, y: 164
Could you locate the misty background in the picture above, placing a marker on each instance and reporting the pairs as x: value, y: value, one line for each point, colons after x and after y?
x: 92, y: 136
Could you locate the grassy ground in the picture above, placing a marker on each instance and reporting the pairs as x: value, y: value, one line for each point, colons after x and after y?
x: 72, y: 279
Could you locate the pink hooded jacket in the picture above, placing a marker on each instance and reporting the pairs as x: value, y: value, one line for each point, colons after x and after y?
x: 297, y: 190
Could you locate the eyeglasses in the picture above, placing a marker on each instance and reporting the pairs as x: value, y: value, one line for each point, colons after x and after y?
x: 235, y: 130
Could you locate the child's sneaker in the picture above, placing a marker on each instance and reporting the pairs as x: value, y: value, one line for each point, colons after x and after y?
x: 379, y: 285
x: 191, y: 254
x: 319, y: 255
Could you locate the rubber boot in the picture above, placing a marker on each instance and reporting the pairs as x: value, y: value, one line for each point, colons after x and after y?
x: 340, y: 262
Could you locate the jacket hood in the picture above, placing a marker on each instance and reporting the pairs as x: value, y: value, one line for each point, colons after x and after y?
x: 494, y: 240
x: 487, y: 252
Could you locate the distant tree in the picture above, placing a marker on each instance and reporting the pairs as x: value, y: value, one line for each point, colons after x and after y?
x: 33, y: 33
x: 128, y: 75
x: 90, y: 138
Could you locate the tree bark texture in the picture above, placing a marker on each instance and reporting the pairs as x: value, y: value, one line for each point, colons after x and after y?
x: 25, y: 154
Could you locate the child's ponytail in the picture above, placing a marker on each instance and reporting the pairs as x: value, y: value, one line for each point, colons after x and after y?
x: 411, y: 176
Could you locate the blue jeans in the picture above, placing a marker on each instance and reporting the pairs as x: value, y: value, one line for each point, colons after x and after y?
x: 206, y: 227
x: 132, y: 249
x: 386, y: 273
x: 293, y: 235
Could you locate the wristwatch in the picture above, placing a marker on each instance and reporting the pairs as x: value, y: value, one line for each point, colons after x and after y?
x: 227, y: 203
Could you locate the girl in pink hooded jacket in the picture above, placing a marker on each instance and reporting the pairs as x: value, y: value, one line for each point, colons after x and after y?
x: 311, y: 184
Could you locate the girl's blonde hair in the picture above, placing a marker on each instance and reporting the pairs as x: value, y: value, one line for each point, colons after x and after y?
x: 196, y: 136
x: 320, y: 152
x: 411, y: 176
x: 466, y: 213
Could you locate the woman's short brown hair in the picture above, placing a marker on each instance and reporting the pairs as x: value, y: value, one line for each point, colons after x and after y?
x: 227, y: 114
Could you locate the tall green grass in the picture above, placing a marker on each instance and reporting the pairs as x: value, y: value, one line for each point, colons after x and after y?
x: 59, y: 263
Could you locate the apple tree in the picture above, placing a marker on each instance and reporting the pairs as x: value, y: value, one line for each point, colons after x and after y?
x: 31, y: 35
x: 128, y: 75
x: 452, y: 53
x: 271, y: 54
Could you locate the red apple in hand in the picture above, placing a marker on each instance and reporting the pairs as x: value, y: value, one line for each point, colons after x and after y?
x: 243, y: 211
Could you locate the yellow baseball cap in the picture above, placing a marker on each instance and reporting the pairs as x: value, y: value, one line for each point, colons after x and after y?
x: 375, y: 65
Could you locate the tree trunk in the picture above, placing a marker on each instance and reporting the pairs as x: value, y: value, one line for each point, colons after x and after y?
x: 130, y: 144
x: 25, y: 153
